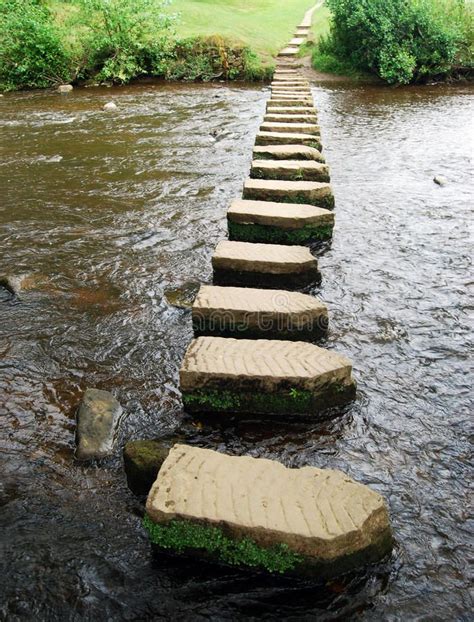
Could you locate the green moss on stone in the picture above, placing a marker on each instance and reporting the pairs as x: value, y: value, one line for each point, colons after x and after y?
x: 182, y: 536
x: 292, y: 175
x: 276, y: 235
x: 293, y: 401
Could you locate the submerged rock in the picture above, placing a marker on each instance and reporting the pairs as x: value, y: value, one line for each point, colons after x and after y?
x: 184, y: 296
x: 258, y: 513
x: 109, y: 106
x: 97, y: 421
x: 143, y: 459
x: 440, y: 180
x: 15, y: 284
x: 65, y: 88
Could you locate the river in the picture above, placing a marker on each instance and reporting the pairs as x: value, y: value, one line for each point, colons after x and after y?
x: 108, y: 212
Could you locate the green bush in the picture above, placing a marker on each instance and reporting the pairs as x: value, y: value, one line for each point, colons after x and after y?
x: 124, y: 39
x: 210, y: 58
x: 32, y: 54
x: 401, y: 41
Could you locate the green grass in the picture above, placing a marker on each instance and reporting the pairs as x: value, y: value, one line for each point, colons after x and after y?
x: 265, y: 26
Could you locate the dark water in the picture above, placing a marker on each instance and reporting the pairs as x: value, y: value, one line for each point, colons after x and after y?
x: 107, y: 211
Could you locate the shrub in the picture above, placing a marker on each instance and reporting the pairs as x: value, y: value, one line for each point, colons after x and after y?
x: 210, y: 58
x: 124, y: 39
x: 32, y: 54
x: 401, y: 41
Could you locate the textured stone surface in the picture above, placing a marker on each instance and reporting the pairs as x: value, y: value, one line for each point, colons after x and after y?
x: 288, y: 138
x: 291, y: 88
x: 258, y: 313
x: 291, y: 118
x: 262, y: 363
x: 302, y: 110
x: 289, y: 103
x: 263, y: 258
x: 285, y: 215
x: 297, y: 41
x: 329, y: 520
x: 97, y: 421
x: 306, y: 170
x: 282, y: 82
x: 287, y: 152
x: 311, y: 192
x: 109, y: 106
x: 65, y: 88
x: 299, y: 128
x: 291, y: 96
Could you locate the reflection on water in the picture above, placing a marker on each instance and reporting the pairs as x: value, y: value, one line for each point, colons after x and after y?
x: 108, y: 214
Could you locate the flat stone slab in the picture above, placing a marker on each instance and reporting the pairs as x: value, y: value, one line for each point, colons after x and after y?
x: 245, y: 312
x: 297, y: 41
x: 291, y: 96
x: 311, y: 192
x: 255, y: 512
x: 292, y: 170
x: 97, y: 421
x: 300, y: 128
x: 288, y: 138
x: 263, y: 376
x: 264, y: 265
x: 289, y: 51
x: 290, y: 118
x: 301, y: 110
x: 278, y: 223
x: 287, y: 103
x: 290, y: 88
x: 287, y: 152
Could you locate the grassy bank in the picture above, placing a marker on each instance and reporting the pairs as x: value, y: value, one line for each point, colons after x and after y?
x: 46, y: 42
x: 400, y: 42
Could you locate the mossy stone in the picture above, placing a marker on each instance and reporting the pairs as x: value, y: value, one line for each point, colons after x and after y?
x: 143, y: 460
x: 277, y: 235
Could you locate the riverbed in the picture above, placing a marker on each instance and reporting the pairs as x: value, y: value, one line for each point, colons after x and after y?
x: 110, y: 212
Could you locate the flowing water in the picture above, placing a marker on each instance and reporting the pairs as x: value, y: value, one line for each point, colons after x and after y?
x: 106, y: 212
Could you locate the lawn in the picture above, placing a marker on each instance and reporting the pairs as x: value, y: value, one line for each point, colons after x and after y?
x: 264, y: 25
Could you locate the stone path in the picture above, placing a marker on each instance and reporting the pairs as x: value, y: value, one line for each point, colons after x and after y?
x: 326, y: 522
x: 253, y: 353
x: 263, y: 376
x: 245, y: 312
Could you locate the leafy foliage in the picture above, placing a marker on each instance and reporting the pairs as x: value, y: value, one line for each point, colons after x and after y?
x: 208, y: 58
x: 401, y: 41
x: 124, y: 39
x: 180, y: 536
x: 32, y: 54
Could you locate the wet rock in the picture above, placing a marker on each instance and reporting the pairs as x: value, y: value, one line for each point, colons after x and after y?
x: 109, y: 106
x: 440, y: 180
x: 97, y: 421
x: 302, y: 521
x: 143, y: 459
x: 65, y: 88
x: 14, y: 283
x: 184, y: 296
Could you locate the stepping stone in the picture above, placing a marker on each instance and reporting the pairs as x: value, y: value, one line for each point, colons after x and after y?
x: 289, y: 51
x: 297, y: 41
x: 287, y: 152
x: 310, y: 192
x: 287, y: 71
x: 243, y: 312
x: 264, y: 265
x: 288, y: 138
x: 258, y: 514
x: 299, y: 128
x: 285, y: 83
x: 292, y: 96
x: 280, y: 102
x: 293, y: 170
x: 291, y: 88
x: 306, y: 110
x: 278, y: 223
x: 290, y: 118
x: 263, y: 376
